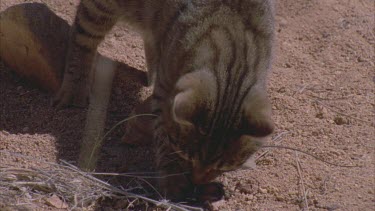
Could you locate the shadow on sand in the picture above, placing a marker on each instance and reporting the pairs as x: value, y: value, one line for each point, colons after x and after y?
x: 26, y: 108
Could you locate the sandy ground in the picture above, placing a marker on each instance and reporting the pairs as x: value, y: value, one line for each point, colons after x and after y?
x: 322, y: 91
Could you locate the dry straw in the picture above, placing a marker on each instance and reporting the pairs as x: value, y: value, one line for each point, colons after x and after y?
x: 75, y: 188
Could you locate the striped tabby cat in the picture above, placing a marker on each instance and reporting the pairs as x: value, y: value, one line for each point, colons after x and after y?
x: 207, y: 61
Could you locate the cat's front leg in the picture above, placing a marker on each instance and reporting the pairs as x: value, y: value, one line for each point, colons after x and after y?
x: 174, y: 182
x: 75, y: 87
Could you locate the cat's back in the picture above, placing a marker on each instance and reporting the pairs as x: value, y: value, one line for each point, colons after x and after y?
x: 161, y: 14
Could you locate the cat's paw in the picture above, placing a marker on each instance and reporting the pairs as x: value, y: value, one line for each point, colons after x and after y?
x: 71, y: 94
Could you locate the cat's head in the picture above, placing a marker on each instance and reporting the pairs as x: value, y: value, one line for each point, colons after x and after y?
x: 216, y: 133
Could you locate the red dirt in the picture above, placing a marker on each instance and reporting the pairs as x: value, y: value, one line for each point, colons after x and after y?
x: 322, y: 91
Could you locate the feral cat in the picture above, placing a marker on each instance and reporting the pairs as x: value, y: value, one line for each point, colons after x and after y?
x: 207, y: 61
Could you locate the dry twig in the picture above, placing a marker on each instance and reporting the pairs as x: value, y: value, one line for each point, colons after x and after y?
x: 304, y: 191
x: 309, y: 154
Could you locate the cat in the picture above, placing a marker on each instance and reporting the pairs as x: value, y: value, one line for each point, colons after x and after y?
x: 207, y: 61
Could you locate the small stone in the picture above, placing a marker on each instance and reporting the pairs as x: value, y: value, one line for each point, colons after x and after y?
x: 287, y: 65
x: 19, y: 88
x: 344, y: 24
x: 279, y: 198
x: 325, y: 34
x: 291, y: 193
x: 56, y: 202
x: 119, y: 34
x: 338, y: 73
x: 263, y: 190
x: 244, y: 188
x: 340, y: 121
x: 319, y: 115
x: 281, y: 90
x: 273, y: 190
x: 25, y: 129
x: 250, y: 197
x: 283, y: 22
x: 315, y: 133
x: 361, y: 59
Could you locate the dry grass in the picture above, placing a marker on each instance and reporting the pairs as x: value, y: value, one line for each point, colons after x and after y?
x: 74, y: 188
x: 302, y: 184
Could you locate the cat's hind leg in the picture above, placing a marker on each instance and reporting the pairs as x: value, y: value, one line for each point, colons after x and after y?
x: 94, y: 19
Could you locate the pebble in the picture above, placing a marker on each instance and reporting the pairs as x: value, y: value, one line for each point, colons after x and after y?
x: 56, y: 202
x: 340, y: 121
x: 283, y: 22
x: 263, y: 190
x: 273, y: 190
x: 119, y: 34
x: 319, y: 115
x: 361, y: 59
x: 279, y: 198
x: 244, y: 188
x: 291, y: 193
x: 287, y: 65
x: 250, y: 197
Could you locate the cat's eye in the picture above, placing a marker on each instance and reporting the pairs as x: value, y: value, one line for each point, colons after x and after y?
x: 260, y: 128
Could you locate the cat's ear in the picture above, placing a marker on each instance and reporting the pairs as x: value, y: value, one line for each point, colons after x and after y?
x: 185, y: 106
x: 257, y: 119
x: 194, y: 91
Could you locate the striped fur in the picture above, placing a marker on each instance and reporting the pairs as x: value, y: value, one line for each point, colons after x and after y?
x: 207, y: 61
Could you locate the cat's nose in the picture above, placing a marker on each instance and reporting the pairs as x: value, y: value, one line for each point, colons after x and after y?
x: 201, y: 175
